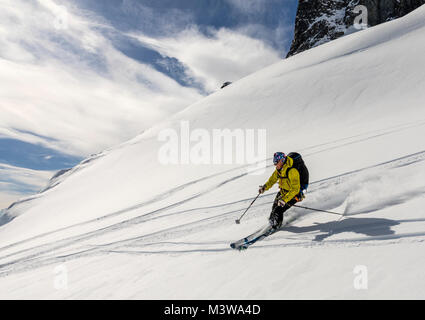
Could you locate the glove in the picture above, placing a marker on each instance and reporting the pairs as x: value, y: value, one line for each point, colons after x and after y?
x: 281, y: 203
x: 262, y: 189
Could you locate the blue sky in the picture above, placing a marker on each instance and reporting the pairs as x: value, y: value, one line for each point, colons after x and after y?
x: 270, y: 21
x: 80, y: 76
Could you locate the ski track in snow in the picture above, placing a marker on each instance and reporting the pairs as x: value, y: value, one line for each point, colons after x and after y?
x: 36, y: 259
x: 77, y: 246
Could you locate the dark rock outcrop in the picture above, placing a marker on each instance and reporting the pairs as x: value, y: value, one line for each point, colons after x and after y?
x: 320, y: 21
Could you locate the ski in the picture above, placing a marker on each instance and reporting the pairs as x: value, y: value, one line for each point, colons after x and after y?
x: 258, y: 235
x: 244, y: 243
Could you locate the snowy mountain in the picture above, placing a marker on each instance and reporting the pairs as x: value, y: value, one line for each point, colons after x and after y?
x: 122, y: 224
x: 318, y: 21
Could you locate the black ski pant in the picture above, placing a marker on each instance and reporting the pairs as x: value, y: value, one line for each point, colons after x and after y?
x: 279, y: 210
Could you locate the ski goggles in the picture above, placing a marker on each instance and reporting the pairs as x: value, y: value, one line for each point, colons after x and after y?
x: 277, y: 157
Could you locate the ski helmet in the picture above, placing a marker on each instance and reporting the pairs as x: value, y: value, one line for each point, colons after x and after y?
x: 277, y: 157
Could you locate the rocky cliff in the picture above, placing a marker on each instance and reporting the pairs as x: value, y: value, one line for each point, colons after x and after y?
x: 320, y: 21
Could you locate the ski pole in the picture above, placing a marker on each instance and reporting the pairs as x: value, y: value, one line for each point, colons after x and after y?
x: 238, y: 221
x: 340, y: 214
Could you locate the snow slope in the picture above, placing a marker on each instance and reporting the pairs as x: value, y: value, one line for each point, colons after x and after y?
x: 122, y: 225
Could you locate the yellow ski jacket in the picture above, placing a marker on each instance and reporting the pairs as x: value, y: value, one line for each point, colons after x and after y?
x: 289, y: 185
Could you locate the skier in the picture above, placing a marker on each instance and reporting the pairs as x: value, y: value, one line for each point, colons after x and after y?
x: 293, y: 182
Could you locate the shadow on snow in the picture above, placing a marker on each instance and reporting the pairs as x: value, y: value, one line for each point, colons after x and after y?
x: 367, y: 226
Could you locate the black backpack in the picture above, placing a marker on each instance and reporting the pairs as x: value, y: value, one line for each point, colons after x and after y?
x: 302, y: 169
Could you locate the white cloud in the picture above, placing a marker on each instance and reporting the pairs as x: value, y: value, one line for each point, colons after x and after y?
x: 211, y: 60
x: 280, y: 37
x: 61, y: 77
x: 158, y: 19
x: 13, y: 180
x: 248, y: 6
x: 70, y: 83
